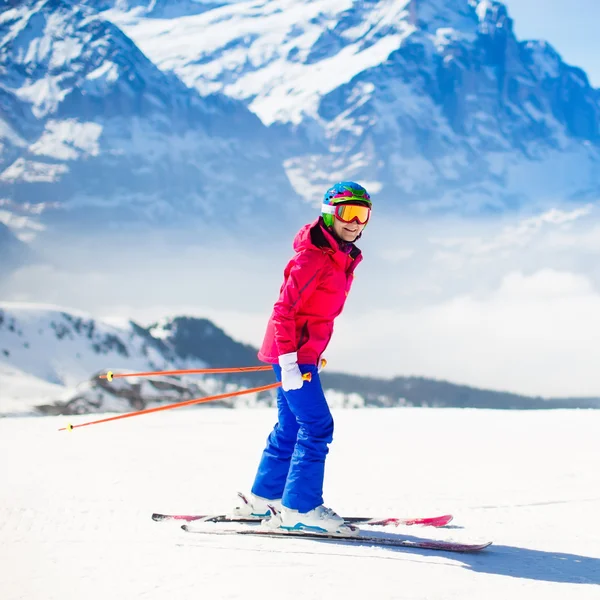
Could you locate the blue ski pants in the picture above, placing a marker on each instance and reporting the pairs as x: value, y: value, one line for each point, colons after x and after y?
x: 292, y: 466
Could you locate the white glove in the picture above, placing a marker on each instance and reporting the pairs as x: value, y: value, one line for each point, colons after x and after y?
x: 291, y: 376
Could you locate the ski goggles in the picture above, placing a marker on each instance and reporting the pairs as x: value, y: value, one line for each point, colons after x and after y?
x: 347, y: 213
x: 352, y: 212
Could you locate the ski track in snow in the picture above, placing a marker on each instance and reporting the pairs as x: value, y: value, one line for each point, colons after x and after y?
x: 75, y: 506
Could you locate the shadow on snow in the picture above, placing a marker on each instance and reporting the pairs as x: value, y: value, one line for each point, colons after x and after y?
x: 510, y: 561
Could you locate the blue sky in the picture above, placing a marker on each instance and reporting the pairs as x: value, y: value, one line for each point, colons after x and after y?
x: 571, y: 26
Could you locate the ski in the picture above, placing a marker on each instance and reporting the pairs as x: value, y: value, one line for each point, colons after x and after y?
x: 439, y: 521
x: 389, y: 540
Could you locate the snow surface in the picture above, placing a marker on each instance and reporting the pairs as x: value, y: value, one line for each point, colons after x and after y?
x: 75, y: 507
x: 22, y: 391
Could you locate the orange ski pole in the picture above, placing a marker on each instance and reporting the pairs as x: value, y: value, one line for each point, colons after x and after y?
x: 110, y: 375
x: 263, y: 388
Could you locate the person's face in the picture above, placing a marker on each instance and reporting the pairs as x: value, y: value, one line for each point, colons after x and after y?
x: 347, y: 231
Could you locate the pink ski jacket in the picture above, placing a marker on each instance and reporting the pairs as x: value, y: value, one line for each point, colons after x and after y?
x: 316, y: 282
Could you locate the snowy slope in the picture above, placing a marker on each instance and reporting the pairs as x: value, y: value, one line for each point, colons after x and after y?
x: 21, y: 392
x: 65, y: 348
x: 429, y: 102
x: 75, y: 507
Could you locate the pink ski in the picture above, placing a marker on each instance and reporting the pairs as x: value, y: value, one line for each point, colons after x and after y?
x: 439, y: 521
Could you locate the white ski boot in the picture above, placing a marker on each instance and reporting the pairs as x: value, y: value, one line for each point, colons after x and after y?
x: 318, y: 520
x: 255, y: 507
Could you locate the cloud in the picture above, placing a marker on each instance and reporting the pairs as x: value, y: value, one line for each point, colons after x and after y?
x: 512, y: 306
x: 511, y: 238
x: 535, y: 334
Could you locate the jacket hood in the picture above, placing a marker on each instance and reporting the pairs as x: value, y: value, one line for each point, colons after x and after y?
x: 303, y: 240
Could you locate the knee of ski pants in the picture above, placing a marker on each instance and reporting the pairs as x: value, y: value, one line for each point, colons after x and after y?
x: 319, y: 430
x: 284, y: 434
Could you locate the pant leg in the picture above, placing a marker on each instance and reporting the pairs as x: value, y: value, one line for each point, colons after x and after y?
x: 304, y: 485
x: 275, y: 461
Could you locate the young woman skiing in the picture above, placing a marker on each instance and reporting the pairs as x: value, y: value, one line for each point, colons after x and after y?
x: 316, y: 282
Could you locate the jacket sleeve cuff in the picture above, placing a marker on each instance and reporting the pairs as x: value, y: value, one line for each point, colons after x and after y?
x: 288, y: 359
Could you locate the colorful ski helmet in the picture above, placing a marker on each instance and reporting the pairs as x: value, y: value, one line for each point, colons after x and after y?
x: 340, y: 193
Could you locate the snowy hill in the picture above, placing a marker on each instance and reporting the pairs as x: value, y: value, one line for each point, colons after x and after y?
x: 430, y: 102
x: 50, y: 357
x: 65, y: 348
x: 91, y: 131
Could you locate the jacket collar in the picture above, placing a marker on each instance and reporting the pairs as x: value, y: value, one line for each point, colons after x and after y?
x: 317, y: 235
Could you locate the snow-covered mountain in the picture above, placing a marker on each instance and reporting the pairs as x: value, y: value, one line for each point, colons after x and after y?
x: 91, y: 131
x: 126, y: 111
x: 51, y: 358
x: 430, y: 102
